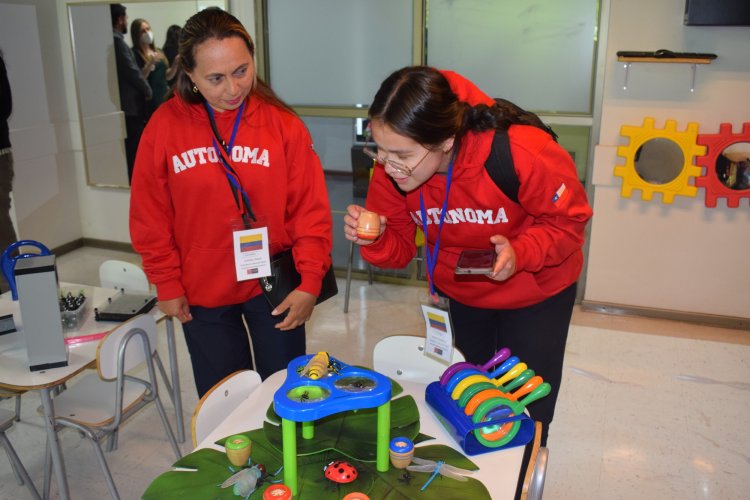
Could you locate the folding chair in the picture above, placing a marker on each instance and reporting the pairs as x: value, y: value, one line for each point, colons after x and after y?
x: 6, y: 421
x: 122, y: 275
x: 220, y: 400
x: 99, y: 403
x: 127, y: 277
x: 401, y: 357
x: 536, y: 472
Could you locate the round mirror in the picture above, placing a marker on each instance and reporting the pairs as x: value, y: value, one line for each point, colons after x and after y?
x: 733, y: 166
x: 659, y: 161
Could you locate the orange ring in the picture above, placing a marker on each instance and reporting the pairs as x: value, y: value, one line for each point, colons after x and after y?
x: 480, y: 397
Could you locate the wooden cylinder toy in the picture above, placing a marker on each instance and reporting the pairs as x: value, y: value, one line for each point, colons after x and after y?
x: 238, y: 449
x: 401, y: 451
x: 368, y: 225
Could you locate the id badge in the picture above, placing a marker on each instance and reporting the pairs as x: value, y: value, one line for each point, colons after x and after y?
x: 438, y: 333
x: 251, y: 256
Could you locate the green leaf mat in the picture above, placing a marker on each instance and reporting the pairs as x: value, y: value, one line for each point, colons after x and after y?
x: 213, y: 469
x: 349, y: 436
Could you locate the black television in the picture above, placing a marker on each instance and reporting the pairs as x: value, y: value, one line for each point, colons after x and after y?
x: 717, y: 12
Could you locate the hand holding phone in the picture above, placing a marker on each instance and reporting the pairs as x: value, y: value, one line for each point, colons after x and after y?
x: 476, y: 261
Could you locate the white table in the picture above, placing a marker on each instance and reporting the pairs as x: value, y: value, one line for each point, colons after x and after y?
x: 15, y: 373
x: 498, y: 470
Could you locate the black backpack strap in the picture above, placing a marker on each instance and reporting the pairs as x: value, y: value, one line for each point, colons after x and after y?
x: 499, y: 166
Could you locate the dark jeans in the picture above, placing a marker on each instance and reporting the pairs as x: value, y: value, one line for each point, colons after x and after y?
x: 536, y: 334
x: 219, y: 345
x: 7, y: 232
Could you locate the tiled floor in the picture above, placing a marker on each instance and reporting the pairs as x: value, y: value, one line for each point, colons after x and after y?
x: 648, y: 409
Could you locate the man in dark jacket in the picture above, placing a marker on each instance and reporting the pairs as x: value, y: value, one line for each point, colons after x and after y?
x: 7, y: 232
x: 134, y: 88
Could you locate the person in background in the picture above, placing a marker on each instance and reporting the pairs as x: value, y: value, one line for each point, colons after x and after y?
x: 134, y: 88
x: 434, y: 131
x: 153, y: 63
x: 224, y: 154
x: 171, y: 44
x: 170, y: 50
x: 7, y: 232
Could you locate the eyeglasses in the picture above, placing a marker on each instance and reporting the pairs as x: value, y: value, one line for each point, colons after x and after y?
x: 395, y: 165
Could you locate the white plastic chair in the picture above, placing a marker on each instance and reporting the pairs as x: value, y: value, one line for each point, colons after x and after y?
x: 220, y: 400
x: 122, y: 275
x: 100, y: 402
x: 401, y: 357
x: 536, y: 472
x: 6, y: 421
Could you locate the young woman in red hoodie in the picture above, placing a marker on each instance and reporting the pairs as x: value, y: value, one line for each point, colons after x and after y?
x: 434, y: 131
x: 187, y: 203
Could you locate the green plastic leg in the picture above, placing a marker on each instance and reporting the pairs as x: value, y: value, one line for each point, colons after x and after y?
x: 384, y: 435
x: 308, y: 430
x: 289, y: 446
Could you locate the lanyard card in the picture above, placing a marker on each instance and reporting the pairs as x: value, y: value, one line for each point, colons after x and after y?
x: 439, y: 333
x: 251, y: 256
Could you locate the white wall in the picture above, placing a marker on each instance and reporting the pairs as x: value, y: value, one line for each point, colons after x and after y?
x: 45, y: 197
x: 681, y: 257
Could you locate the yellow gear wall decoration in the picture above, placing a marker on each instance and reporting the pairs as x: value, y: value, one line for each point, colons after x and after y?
x: 680, y: 185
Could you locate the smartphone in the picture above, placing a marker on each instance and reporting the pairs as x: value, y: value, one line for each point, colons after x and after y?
x: 476, y: 261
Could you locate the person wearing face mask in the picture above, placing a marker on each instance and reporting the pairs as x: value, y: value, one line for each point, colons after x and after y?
x: 153, y: 63
x: 221, y: 160
x: 133, y: 86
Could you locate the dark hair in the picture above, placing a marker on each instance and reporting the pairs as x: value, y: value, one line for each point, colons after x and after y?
x: 135, y: 34
x: 173, y: 34
x: 418, y: 102
x: 116, y: 10
x: 205, y: 25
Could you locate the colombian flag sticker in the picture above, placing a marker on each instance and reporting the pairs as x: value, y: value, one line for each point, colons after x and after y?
x: 251, y: 242
x: 437, y: 322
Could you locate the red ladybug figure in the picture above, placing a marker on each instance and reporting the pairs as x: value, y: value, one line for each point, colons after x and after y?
x: 340, y: 472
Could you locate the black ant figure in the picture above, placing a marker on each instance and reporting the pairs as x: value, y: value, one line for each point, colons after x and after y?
x: 406, y: 478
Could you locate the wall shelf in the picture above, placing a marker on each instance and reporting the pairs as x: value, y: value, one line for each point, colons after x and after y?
x: 682, y: 60
x: 693, y: 61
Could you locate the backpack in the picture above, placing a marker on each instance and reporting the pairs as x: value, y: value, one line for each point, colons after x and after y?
x: 499, y: 164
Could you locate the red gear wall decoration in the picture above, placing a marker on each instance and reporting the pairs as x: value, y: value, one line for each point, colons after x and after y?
x: 709, y: 181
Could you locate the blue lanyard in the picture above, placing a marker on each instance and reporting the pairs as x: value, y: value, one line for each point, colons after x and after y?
x: 232, y: 176
x: 237, y: 120
x: 432, y: 256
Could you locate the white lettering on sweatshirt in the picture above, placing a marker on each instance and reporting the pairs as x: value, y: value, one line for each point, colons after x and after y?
x: 202, y: 156
x: 463, y: 215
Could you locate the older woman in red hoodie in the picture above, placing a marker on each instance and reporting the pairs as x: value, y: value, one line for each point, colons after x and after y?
x: 223, y: 156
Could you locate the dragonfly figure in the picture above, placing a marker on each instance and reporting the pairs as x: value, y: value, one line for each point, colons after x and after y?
x: 439, y: 467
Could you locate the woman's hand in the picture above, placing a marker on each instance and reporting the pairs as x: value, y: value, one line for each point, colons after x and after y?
x: 505, y: 265
x: 177, y: 308
x: 351, y: 221
x: 299, y: 305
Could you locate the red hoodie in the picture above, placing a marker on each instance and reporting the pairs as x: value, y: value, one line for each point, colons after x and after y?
x: 182, y: 211
x: 545, y: 228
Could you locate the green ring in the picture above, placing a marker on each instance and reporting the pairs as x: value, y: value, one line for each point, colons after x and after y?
x: 483, y: 409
